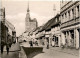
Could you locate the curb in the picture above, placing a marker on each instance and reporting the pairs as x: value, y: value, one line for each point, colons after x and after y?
x: 12, y: 51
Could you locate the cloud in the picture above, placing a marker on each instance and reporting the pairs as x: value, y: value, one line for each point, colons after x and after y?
x: 18, y: 21
x: 36, y: 0
x: 41, y: 19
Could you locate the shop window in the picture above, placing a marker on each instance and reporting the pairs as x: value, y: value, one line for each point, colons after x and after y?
x: 72, y: 38
x: 72, y: 34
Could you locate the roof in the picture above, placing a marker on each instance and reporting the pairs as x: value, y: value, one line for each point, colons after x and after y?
x: 36, y: 29
x: 33, y: 20
x: 9, y: 25
x: 40, y: 28
x: 46, y: 25
x: 51, y: 22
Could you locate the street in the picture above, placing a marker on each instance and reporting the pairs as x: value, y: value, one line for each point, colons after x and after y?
x: 49, y: 53
x: 53, y: 52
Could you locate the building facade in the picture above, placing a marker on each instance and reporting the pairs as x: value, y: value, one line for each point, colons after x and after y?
x: 70, y: 24
x: 4, y: 29
x: 11, y: 32
x: 55, y: 31
x: 50, y: 32
x: 8, y: 33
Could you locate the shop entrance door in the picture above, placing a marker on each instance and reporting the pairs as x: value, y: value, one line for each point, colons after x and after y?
x: 56, y: 41
x: 79, y: 37
x: 72, y: 38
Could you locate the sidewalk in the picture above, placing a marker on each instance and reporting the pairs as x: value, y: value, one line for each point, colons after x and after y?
x: 13, y: 51
x: 66, y: 50
x: 22, y: 53
x: 14, y: 47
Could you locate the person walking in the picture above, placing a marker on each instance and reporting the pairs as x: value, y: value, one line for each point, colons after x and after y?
x: 31, y: 44
x: 36, y: 43
x: 2, y: 46
x: 7, y: 48
x: 47, y: 45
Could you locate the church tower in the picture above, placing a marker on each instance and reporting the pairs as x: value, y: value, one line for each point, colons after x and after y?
x: 27, y: 19
x: 30, y: 24
x: 28, y: 14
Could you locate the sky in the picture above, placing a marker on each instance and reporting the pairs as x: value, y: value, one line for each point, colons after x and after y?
x: 41, y: 10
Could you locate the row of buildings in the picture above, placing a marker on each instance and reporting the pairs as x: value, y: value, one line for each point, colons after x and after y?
x: 63, y: 29
x: 8, y: 33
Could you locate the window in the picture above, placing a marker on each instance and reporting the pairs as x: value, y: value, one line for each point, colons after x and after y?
x: 62, y: 17
x: 65, y: 15
x: 69, y: 14
x: 72, y: 13
x: 77, y: 11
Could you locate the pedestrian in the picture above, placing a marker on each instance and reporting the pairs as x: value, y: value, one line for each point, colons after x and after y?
x: 53, y: 43
x: 2, y: 46
x: 7, y: 47
x: 47, y: 45
x: 31, y: 44
x: 10, y: 44
x: 36, y: 43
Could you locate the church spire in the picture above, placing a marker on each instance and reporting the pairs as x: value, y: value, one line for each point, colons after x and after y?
x: 28, y: 7
x: 54, y: 9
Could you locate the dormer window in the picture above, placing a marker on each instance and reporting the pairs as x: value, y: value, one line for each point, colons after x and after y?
x: 56, y: 19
